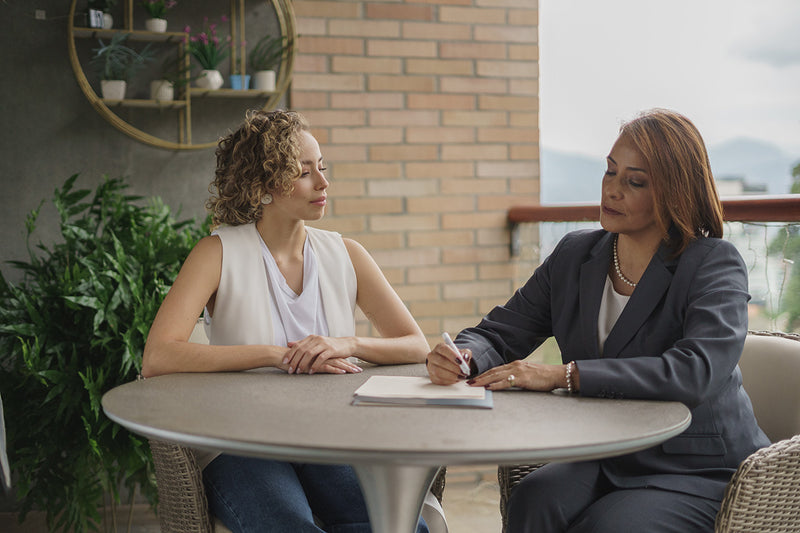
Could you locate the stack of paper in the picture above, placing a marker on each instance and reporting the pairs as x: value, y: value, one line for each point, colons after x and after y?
x: 405, y: 390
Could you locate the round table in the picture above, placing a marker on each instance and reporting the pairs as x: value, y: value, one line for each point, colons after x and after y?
x: 395, y: 450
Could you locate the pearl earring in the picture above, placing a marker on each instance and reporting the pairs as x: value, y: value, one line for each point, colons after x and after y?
x: 266, y: 199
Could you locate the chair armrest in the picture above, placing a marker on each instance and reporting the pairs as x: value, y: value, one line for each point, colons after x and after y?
x: 182, y: 504
x: 508, y: 476
x: 763, y: 494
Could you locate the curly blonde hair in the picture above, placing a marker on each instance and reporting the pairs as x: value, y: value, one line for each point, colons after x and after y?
x: 262, y: 156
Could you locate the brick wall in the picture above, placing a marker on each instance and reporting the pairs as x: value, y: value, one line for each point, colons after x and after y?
x: 427, y: 114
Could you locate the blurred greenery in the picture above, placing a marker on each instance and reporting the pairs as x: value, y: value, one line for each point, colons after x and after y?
x: 73, y: 328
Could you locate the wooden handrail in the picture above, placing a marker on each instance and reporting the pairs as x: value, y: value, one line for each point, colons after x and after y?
x: 783, y: 208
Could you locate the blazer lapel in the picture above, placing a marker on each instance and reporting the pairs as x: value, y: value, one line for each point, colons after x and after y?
x: 592, y: 280
x: 643, y: 301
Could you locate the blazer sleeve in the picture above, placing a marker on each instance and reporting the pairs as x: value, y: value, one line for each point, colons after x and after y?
x: 513, y: 330
x: 700, y: 331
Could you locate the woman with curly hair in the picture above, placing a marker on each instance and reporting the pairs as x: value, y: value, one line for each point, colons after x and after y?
x: 278, y: 293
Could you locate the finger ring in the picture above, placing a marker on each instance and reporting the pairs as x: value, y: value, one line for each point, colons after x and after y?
x: 511, y: 379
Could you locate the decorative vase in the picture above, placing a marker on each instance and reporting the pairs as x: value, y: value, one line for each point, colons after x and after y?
x: 156, y: 25
x: 162, y: 91
x: 113, y: 89
x: 108, y: 21
x: 210, y: 79
x: 238, y: 83
x: 264, y: 80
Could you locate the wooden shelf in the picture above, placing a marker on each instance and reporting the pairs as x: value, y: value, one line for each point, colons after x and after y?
x: 284, y: 19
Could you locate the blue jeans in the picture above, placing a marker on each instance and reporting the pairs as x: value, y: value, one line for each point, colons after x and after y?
x: 258, y: 495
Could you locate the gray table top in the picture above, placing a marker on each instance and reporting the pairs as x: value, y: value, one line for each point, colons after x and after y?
x: 269, y: 413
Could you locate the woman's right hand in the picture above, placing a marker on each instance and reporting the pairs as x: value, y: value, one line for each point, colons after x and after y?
x: 443, y: 364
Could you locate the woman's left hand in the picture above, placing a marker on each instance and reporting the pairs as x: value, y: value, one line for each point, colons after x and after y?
x: 311, y: 354
x: 522, y: 374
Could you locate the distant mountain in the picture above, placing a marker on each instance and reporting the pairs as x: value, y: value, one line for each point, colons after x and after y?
x: 570, y: 177
x: 758, y: 162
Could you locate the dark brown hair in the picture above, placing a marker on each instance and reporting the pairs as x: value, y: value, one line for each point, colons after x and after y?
x: 683, y: 187
x: 262, y: 156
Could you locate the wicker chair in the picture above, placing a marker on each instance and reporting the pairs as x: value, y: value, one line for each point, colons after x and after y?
x: 182, y: 504
x: 763, y: 494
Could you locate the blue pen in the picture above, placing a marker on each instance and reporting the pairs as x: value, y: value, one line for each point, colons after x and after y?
x: 463, y: 365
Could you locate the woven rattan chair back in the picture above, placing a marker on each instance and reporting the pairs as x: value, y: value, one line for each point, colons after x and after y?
x: 763, y: 495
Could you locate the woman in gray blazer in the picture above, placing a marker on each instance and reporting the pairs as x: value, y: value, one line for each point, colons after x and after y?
x: 653, y: 306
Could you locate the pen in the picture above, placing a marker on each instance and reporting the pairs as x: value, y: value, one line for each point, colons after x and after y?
x: 463, y: 364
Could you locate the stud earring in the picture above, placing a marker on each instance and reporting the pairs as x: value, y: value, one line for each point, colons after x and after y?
x: 266, y: 199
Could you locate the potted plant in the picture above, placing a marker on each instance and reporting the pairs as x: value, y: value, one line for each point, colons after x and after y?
x: 175, y: 74
x: 99, y: 14
x: 157, y: 9
x: 115, y: 63
x: 72, y: 328
x: 209, y: 50
x: 264, y: 58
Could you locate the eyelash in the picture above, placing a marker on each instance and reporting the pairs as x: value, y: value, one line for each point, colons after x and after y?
x: 632, y: 183
x: 322, y: 169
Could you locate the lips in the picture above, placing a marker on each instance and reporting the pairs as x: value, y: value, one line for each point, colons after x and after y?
x: 321, y: 201
x: 609, y: 211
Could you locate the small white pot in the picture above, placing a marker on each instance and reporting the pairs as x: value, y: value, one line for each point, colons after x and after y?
x: 210, y: 79
x: 113, y: 89
x: 156, y: 25
x: 162, y: 91
x: 108, y: 21
x: 264, y: 80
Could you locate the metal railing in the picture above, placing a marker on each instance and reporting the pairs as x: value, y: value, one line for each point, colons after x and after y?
x: 765, y: 229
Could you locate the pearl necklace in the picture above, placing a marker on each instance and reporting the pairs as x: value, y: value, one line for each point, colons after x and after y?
x: 621, y: 276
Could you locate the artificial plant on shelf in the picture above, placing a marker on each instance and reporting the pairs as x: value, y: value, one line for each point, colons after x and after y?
x: 118, y: 62
x: 209, y: 50
x: 264, y: 58
x: 175, y: 74
x: 157, y: 9
x: 73, y: 328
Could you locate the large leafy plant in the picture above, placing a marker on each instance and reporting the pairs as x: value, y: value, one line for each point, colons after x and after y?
x: 70, y: 330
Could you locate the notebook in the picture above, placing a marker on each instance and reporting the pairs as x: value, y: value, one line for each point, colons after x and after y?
x: 408, y: 390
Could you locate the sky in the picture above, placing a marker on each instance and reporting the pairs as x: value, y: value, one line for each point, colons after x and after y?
x: 731, y: 66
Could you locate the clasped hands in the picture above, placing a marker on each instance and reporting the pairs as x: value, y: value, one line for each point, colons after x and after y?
x: 443, y: 369
x: 318, y: 354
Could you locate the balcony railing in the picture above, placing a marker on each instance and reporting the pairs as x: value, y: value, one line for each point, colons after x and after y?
x: 765, y: 229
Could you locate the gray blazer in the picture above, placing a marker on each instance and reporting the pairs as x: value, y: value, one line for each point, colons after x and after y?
x: 679, y: 338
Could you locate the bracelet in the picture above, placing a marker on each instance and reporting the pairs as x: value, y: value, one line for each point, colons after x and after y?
x: 570, y: 384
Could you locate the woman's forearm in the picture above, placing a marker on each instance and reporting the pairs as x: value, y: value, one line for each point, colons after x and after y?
x: 180, y: 356
x: 410, y: 348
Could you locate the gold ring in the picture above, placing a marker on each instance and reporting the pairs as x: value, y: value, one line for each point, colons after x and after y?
x: 511, y: 379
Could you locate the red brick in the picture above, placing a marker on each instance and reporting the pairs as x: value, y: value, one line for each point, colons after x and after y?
x: 440, y: 135
x: 366, y: 206
x: 367, y: 170
x: 470, y: 50
x: 399, y: 12
x: 472, y: 85
x: 440, y: 67
x: 366, y: 100
x: 440, y: 169
x: 401, y: 48
x: 403, y: 118
x: 332, y: 9
x: 366, y: 64
x: 423, y: 84
x: 330, y: 45
x: 403, y: 153
x: 474, y: 152
x: 442, y: 101
x: 440, y: 204
x: 443, y: 32
x: 430, y: 274
x: 364, y: 28
x: 472, y: 15
x: 367, y: 135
